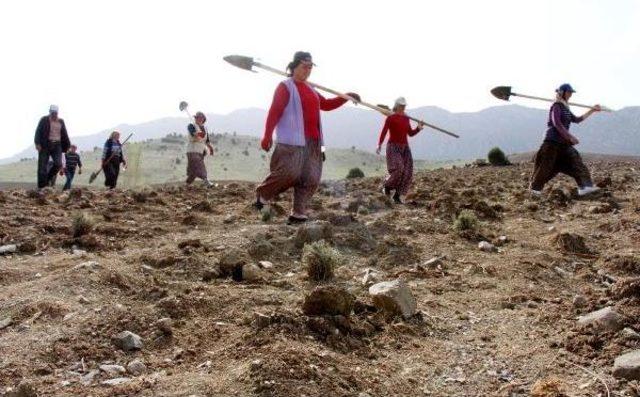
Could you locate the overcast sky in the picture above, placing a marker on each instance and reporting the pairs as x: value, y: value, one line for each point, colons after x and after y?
x: 111, y: 62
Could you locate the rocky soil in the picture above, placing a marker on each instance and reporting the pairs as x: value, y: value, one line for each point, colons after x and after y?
x: 175, y: 291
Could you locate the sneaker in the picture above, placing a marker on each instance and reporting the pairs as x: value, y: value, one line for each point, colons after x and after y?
x: 386, y: 191
x: 397, y: 199
x: 588, y: 190
x: 536, y: 193
x: 207, y: 183
x: 258, y: 205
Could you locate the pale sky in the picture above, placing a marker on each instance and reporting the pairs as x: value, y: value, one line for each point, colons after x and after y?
x: 111, y: 62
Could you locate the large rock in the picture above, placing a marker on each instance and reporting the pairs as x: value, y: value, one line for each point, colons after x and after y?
x: 486, y: 246
x: 5, y: 322
x: 252, y: 273
x: 136, y: 368
x: 603, y: 320
x: 328, y: 300
x: 8, y: 249
x: 165, y: 325
x: 115, y: 381
x: 312, y: 232
x: 112, y: 370
x: 127, y: 341
x: 394, y: 298
x: 231, y: 263
x: 627, y: 366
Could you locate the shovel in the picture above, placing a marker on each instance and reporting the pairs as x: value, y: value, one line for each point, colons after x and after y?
x: 504, y: 93
x: 94, y: 175
x: 247, y: 63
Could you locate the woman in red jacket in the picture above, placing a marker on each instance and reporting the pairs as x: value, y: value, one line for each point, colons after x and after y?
x: 399, y: 159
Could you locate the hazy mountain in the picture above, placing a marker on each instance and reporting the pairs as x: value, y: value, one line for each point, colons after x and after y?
x: 513, y: 128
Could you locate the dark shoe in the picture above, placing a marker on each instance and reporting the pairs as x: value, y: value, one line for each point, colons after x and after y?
x: 396, y: 199
x: 258, y: 205
x: 294, y: 220
x: 386, y: 191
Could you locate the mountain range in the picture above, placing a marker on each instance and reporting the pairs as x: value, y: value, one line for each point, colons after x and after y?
x: 513, y: 128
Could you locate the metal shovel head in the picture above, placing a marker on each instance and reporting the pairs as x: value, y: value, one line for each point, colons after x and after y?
x: 240, y: 61
x: 502, y: 92
x: 183, y: 106
x: 93, y: 176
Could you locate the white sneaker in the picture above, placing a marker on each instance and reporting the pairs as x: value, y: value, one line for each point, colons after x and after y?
x: 537, y: 193
x: 588, y: 190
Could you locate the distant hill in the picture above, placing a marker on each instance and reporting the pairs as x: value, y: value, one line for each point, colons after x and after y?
x: 236, y: 158
x: 515, y: 129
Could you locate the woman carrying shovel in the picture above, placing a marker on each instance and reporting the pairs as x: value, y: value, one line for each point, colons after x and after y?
x: 557, y: 153
x: 297, y: 159
x: 112, y: 157
x: 399, y: 158
x: 197, y: 149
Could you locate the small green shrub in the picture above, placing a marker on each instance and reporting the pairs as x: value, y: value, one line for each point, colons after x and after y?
x: 81, y: 224
x: 466, y: 220
x: 320, y: 259
x: 355, y: 173
x: 266, y: 215
x: 497, y: 157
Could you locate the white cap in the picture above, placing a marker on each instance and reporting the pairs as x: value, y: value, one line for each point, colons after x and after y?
x: 401, y: 101
x: 53, y: 109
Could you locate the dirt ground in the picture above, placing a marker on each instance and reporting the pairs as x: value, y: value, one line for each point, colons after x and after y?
x: 489, y: 323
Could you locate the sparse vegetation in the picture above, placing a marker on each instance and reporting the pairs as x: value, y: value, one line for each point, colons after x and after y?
x: 355, y: 173
x: 466, y: 221
x: 140, y: 196
x: 266, y: 215
x: 497, y: 157
x: 81, y: 224
x: 320, y: 259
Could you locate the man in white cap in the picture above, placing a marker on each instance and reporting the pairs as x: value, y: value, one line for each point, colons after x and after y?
x: 399, y: 158
x: 51, y: 140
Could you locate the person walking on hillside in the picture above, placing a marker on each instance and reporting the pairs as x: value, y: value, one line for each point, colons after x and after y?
x: 197, y: 148
x: 399, y: 158
x: 51, y: 141
x: 72, y: 161
x: 112, y: 157
x: 297, y: 159
x: 557, y: 153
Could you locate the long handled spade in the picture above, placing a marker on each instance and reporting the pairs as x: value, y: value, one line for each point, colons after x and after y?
x: 184, y: 107
x: 247, y: 63
x: 94, y: 175
x: 504, y: 93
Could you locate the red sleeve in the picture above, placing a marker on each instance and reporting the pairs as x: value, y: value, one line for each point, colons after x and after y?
x: 330, y: 104
x: 280, y: 101
x: 414, y: 131
x: 383, y: 133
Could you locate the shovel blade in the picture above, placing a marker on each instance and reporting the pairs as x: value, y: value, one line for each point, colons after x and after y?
x: 93, y: 176
x: 240, y: 61
x: 502, y: 92
x: 183, y: 106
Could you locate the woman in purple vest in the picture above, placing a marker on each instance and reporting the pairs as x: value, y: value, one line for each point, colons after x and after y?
x: 557, y: 153
x: 297, y: 159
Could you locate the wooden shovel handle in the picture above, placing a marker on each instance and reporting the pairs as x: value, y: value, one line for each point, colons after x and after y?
x: 384, y: 111
x: 603, y: 108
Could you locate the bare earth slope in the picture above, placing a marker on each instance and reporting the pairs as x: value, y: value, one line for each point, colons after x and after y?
x: 489, y: 323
